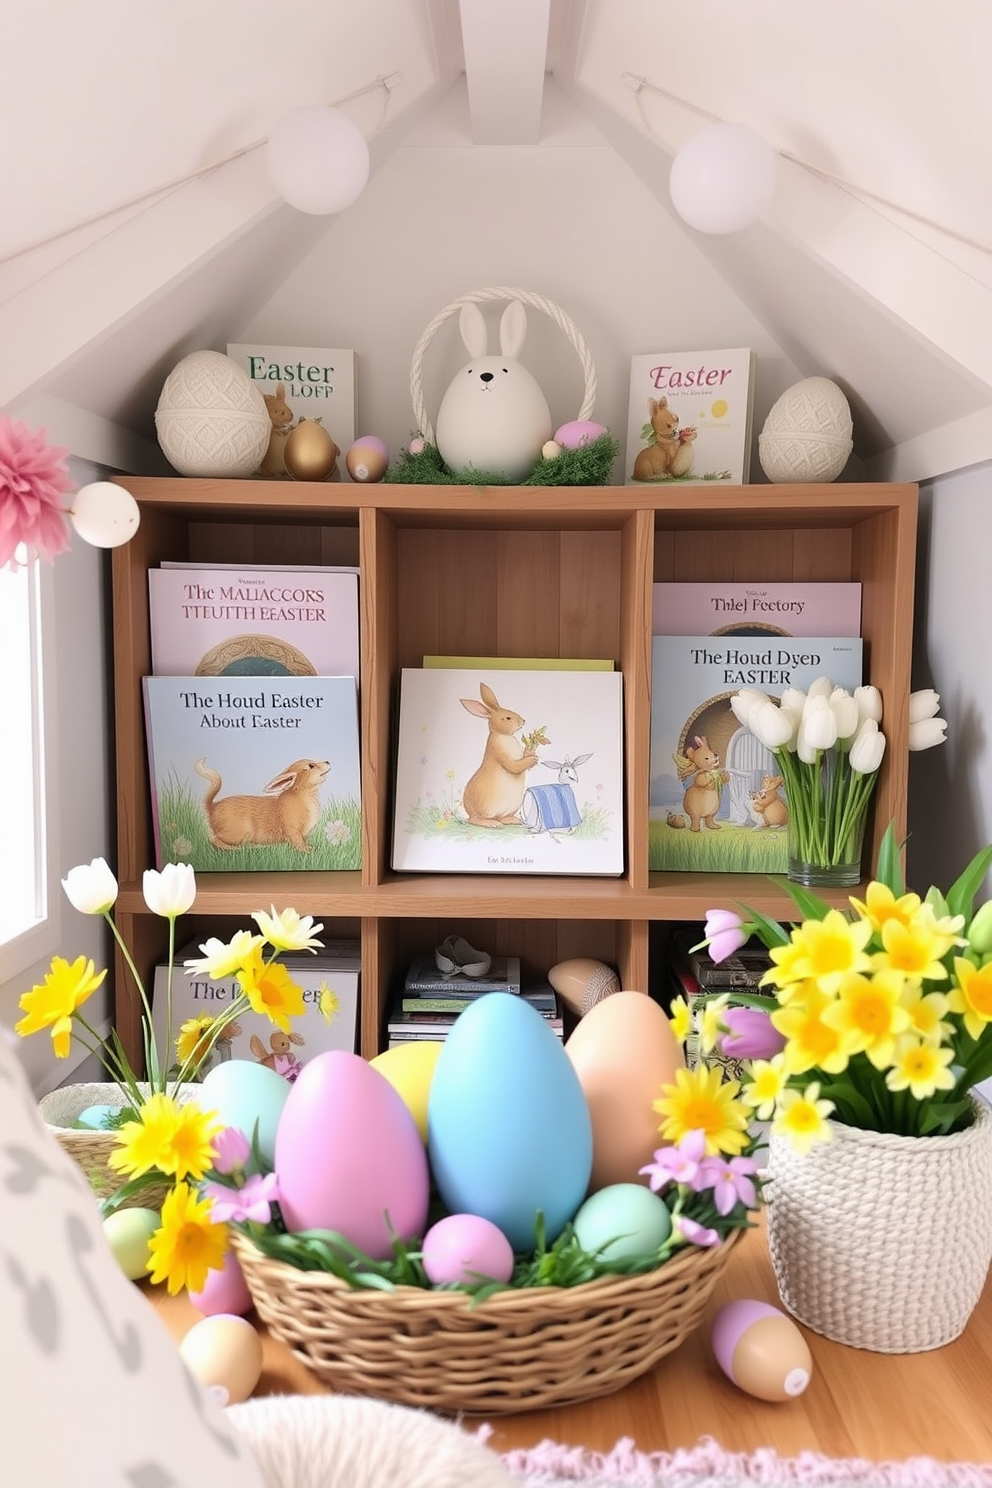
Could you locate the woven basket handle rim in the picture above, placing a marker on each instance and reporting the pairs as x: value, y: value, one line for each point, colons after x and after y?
x: 482, y: 296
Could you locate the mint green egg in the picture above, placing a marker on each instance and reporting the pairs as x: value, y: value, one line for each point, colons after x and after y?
x: 128, y: 1232
x: 622, y: 1221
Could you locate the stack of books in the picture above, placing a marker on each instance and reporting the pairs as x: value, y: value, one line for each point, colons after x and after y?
x: 431, y: 1001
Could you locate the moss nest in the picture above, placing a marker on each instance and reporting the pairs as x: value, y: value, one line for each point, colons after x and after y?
x: 589, y: 465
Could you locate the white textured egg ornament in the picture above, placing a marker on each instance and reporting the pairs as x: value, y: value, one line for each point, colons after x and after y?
x: 211, y: 419
x: 808, y: 434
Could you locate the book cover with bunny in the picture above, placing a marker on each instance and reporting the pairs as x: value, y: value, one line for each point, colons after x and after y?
x: 689, y: 417
x: 254, y: 772
x: 717, y: 802
x: 509, y: 772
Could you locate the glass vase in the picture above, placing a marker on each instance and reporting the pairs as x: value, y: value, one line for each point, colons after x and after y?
x: 828, y: 808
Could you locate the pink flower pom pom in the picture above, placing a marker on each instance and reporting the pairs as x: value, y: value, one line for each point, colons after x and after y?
x: 33, y: 478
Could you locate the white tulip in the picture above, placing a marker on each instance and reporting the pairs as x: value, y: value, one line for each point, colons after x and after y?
x: 822, y: 687
x: 807, y: 752
x: 869, y: 701
x: 792, y: 702
x: 745, y: 702
x: 926, y: 732
x: 868, y: 748
x: 171, y: 892
x: 819, y: 726
x: 923, y: 704
x: 91, y: 888
x: 771, y: 726
x: 845, y: 710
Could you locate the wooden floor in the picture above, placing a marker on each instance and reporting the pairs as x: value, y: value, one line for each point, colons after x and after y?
x: 858, y: 1404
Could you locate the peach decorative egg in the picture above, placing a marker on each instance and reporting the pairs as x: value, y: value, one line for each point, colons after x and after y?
x: 225, y: 1354
x: 761, y: 1350
x: 623, y: 1050
x: 349, y: 1156
x: 367, y: 459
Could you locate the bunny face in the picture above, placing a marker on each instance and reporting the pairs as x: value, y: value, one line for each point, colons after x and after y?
x: 494, y: 415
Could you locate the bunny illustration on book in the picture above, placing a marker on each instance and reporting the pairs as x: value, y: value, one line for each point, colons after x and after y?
x: 553, y: 808
x: 767, y: 806
x: 286, y: 812
x: 701, y: 801
x: 494, y: 416
x: 281, y: 418
x: 493, y: 795
x: 670, y: 454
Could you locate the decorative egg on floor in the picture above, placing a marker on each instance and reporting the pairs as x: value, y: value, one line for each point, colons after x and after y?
x: 211, y: 419
x: 623, y: 1050
x: 310, y: 453
x: 807, y: 435
x: 409, y: 1068
x: 761, y: 1350
x: 367, y: 460
x: 462, y: 1248
x: 623, y: 1221
x: 349, y: 1155
x: 243, y: 1093
x: 508, y: 1125
x: 224, y: 1290
x: 224, y: 1353
x: 128, y: 1233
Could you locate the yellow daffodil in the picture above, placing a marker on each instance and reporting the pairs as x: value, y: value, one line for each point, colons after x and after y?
x: 288, y: 931
x: 52, y: 1003
x: 700, y: 1101
x: 329, y: 1003
x: 711, y: 1023
x: 193, y: 1040
x: 762, y: 1091
x: 880, y: 905
x: 869, y: 1012
x: 811, y: 1043
x: 192, y: 1152
x: 916, y: 949
x: 270, y: 989
x: 681, y: 1018
x: 143, y: 1143
x: 824, y: 951
x: 223, y: 958
x: 973, y: 995
x: 926, y: 1012
x: 188, y: 1244
x: 920, y: 1068
x: 802, y: 1117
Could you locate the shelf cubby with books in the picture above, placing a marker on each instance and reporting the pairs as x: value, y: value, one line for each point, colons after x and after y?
x: 554, y: 572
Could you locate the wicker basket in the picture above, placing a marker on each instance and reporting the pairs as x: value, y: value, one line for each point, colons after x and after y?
x: 90, y: 1149
x: 518, y: 1350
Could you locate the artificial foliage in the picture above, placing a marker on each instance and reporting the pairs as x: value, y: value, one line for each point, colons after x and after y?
x: 589, y: 465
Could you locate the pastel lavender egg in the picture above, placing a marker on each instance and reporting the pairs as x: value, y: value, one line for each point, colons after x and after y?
x: 464, y: 1247
x: 349, y: 1157
x: 223, y: 1291
x: 577, y: 433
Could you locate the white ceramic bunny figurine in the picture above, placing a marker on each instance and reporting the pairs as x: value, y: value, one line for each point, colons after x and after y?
x: 494, y: 415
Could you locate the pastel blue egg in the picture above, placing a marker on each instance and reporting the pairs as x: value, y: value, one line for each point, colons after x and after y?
x: 242, y: 1092
x: 508, y: 1126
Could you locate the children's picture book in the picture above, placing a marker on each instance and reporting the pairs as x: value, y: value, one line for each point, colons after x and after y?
x: 423, y: 977
x: 717, y: 801
x: 332, y: 975
x: 756, y: 609
x: 300, y: 382
x: 509, y: 772
x: 689, y: 416
x: 254, y: 773
x: 253, y: 622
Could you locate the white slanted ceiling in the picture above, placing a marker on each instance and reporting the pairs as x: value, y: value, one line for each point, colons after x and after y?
x: 122, y: 247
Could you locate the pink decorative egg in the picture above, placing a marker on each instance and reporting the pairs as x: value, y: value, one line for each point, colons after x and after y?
x: 349, y: 1157
x: 224, y: 1291
x: 465, y: 1247
x: 578, y: 432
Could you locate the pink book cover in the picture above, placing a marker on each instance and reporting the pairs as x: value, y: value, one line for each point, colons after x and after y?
x: 253, y: 622
x: 756, y: 609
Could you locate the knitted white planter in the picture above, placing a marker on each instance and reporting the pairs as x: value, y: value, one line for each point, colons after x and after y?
x: 883, y: 1242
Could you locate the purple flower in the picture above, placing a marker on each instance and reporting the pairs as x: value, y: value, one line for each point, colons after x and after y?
x: 750, y: 1035
x: 288, y: 1066
x: 231, y: 1150
x: 724, y: 932
x: 678, y: 1164
x: 695, y: 1233
x: 239, y: 1204
x: 730, y: 1180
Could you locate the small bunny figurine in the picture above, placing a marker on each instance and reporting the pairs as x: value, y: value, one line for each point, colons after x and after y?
x: 494, y: 415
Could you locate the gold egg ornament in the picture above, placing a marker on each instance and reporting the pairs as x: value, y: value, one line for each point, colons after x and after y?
x: 311, y: 453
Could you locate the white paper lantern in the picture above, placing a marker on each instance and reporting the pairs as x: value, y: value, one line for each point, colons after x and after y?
x: 318, y: 160
x: 211, y: 419
x: 105, y: 515
x: 807, y: 435
x: 722, y: 178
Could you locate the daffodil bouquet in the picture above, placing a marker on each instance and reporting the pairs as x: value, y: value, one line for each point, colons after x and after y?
x: 879, y: 1016
x: 266, y: 987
